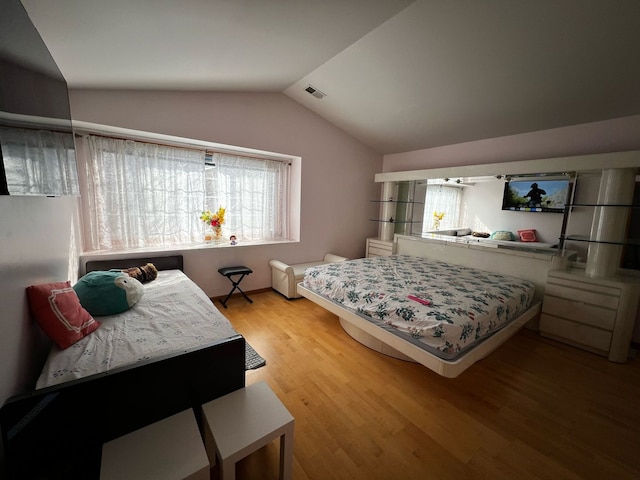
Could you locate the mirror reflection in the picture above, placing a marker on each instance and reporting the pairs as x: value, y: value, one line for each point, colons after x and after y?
x: 37, y: 154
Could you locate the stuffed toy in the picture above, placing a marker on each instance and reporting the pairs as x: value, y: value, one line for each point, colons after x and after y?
x: 143, y: 274
x: 108, y: 293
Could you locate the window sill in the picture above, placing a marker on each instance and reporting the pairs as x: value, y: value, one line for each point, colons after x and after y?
x: 174, y: 249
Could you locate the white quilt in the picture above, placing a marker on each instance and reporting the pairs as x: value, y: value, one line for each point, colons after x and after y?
x: 174, y: 314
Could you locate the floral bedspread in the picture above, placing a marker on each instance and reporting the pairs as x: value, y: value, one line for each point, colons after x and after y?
x: 174, y: 314
x: 441, y: 307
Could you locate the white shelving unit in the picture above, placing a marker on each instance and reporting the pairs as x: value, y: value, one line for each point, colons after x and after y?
x: 397, y: 215
x: 610, y: 216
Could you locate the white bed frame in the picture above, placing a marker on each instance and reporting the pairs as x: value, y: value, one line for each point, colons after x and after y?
x: 523, y: 264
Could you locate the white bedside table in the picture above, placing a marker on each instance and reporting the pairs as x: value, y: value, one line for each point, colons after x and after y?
x: 170, y: 449
x: 243, y: 421
x: 593, y: 313
x: 378, y: 248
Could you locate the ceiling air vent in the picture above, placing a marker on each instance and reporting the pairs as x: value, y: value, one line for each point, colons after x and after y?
x: 315, y: 92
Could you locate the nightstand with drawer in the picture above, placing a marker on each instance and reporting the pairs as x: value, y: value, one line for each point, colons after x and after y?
x: 594, y: 313
x: 378, y: 248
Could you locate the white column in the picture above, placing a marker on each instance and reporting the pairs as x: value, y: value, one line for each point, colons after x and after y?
x: 387, y: 211
x: 609, y: 223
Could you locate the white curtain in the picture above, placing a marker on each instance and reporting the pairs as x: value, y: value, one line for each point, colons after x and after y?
x: 142, y: 194
x: 39, y: 162
x: 441, y: 199
x: 254, y: 192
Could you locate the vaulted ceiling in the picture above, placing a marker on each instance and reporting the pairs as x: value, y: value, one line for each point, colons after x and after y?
x: 398, y: 75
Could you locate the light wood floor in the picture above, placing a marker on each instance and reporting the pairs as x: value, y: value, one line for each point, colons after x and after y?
x: 533, y: 409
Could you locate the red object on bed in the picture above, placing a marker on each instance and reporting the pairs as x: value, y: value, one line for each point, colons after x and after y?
x: 57, y: 310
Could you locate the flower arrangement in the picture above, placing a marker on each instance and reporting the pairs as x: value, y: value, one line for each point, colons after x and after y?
x: 213, y: 219
x: 437, y: 218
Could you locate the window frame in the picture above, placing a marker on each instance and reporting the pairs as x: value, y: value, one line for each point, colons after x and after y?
x: 428, y: 214
x: 294, y: 188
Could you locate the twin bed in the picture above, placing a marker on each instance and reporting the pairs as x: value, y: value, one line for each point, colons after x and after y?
x: 172, y: 316
x: 172, y: 351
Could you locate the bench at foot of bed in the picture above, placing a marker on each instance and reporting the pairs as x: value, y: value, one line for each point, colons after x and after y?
x: 285, y: 278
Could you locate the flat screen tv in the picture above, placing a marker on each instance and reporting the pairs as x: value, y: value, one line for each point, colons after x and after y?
x: 536, y: 195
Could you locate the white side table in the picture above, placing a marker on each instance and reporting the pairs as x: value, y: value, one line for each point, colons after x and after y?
x: 594, y: 313
x: 243, y: 421
x: 378, y: 248
x: 170, y: 449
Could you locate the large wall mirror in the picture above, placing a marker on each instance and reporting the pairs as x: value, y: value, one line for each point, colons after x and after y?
x: 479, y: 199
x: 36, y: 137
x: 460, y: 206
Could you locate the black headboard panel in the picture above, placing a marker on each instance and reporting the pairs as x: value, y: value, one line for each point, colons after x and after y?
x: 172, y: 262
x: 57, y: 432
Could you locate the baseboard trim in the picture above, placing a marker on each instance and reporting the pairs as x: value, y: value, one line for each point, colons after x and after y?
x: 248, y: 292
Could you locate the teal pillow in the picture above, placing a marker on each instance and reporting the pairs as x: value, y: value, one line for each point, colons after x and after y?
x: 502, y: 235
x: 108, y: 293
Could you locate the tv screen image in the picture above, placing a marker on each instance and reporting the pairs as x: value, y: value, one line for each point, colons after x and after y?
x: 536, y: 195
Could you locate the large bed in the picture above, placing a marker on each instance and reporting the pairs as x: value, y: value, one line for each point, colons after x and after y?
x: 444, y: 315
x: 171, y: 351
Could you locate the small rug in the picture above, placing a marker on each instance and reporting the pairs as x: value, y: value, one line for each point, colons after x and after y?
x: 252, y: 359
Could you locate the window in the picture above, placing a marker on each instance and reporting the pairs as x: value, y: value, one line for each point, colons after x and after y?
x: 147, y: 195
x: 254, y: 192
x: 442, y: 207
x: 38, y: 162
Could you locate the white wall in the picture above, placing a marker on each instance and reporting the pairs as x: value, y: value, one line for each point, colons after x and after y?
x: 38, y: 240
x: 617, y: 135
x: 337, y: 171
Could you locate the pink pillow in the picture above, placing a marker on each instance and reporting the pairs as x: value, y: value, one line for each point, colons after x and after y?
x: 57, y: 310
x: 527, y: 235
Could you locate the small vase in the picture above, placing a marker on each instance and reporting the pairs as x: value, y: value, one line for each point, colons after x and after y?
x: 217, y: 233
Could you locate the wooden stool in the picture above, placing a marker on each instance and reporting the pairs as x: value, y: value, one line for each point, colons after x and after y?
x: 229, y: 272
x: 244, y: 421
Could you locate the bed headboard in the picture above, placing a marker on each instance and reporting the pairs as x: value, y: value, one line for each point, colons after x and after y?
x: 171, y: 262
x: 529, y: 266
